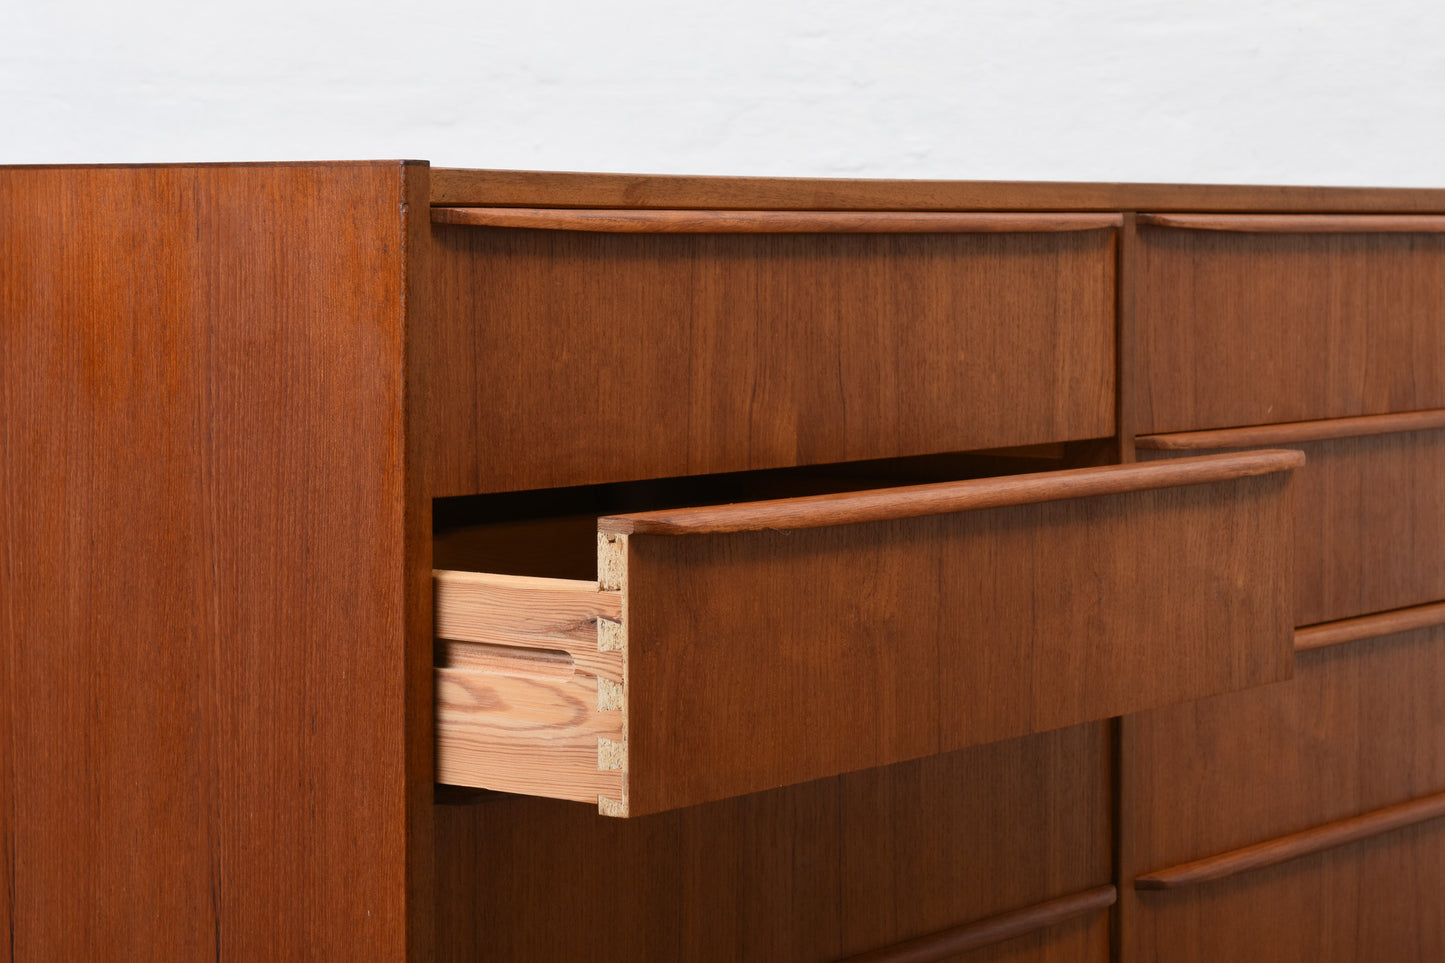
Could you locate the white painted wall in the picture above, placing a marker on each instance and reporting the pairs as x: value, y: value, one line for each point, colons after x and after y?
x: 1287, y: 91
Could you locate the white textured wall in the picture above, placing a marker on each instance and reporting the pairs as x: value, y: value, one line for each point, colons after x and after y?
x: 1290, y: 91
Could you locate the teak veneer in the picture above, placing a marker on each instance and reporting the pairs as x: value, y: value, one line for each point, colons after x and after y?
x: 925, y: 570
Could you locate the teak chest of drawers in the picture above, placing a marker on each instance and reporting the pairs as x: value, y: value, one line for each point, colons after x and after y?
x: 435, y: 564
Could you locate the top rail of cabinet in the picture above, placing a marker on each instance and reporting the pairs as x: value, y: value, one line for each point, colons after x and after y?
x: 456, y: 187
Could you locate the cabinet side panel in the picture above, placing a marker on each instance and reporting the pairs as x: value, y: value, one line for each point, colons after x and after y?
x: 201, y: 518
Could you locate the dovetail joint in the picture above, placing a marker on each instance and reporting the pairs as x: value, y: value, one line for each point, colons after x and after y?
x: 611, y: 754
x: 609, y: 635
x: 609, y: 695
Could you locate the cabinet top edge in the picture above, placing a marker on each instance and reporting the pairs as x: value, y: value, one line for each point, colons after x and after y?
x: 182, y: 165
x: 460, y: 187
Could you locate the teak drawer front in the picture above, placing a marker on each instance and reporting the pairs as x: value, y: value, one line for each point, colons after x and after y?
x: 576, y: 357
x: 1248, y: 320
x: 1377, y: 901
x: 768, y: 643
x: 1370, y: 509
x: 1296, y: 814
x: 946, y: 851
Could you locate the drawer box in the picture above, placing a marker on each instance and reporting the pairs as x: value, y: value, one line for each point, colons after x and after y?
x: 734, y: 648
x: 1370, y: 510
x: 1259, y: 319
x: 604, y: 353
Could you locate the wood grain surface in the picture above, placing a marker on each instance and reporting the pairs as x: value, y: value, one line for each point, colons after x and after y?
x: 812, y: 872
x: 522, y: 725
x: 949, y: 944
x: 634, y: 221
x: 866, y: 644
x: 1370, y: 524
x: 528, y: 698
x: 1369, y: 626
x: 1265, y: 436
x: 643, y: 356
x: 1375, y: 901
x: 498, y: 188
x: 1360, y: 728
x: 917, y: 501
x: 203, y: 621
x: 1250, y: 329
x: 1299, y: 223
x: 1306, y: 842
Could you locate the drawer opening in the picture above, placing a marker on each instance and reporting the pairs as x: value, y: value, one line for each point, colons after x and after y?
x: 649, y: 646
x: 529, y: 653
x: 552, y: 533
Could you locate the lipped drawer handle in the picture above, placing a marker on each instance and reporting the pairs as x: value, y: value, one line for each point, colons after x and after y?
x: 916, y: 501
x: 1300, y: 223
x: 771, y: 222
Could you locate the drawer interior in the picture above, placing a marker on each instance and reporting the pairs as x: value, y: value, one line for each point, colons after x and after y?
x: 552, y: 533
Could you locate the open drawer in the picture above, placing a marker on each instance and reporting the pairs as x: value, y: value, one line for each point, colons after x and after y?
x: 734, y: 648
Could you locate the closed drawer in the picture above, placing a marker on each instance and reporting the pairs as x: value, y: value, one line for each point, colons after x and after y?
x: 1370, y: 510
x: 735, y: 648
x: 1298, y: 820
x: 951, y: 851
x: 595, y: 346
x: 1258, y: 319
x: 1377, y: 901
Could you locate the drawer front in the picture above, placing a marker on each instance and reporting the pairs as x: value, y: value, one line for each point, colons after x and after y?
x: 1370, y: 510
x: 1361, y: 726
x: 595, y: 357
x: 953, y: 851
x: 1377, y: 901
x: 1350, y: 752
x: 768, y: 643
x: 1244, y: 324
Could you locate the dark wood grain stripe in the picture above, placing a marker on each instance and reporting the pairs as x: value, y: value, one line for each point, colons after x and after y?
x: 1294, y: 432
x: 768, y: 222
x: 1369, y: 626
x: 1275, y: 851
x: 497, y: 188
x: 915, y: 501
x: 972, y: 936
x: 1300, y: 223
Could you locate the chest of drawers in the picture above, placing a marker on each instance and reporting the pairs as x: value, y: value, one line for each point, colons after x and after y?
x: 412, y: 563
